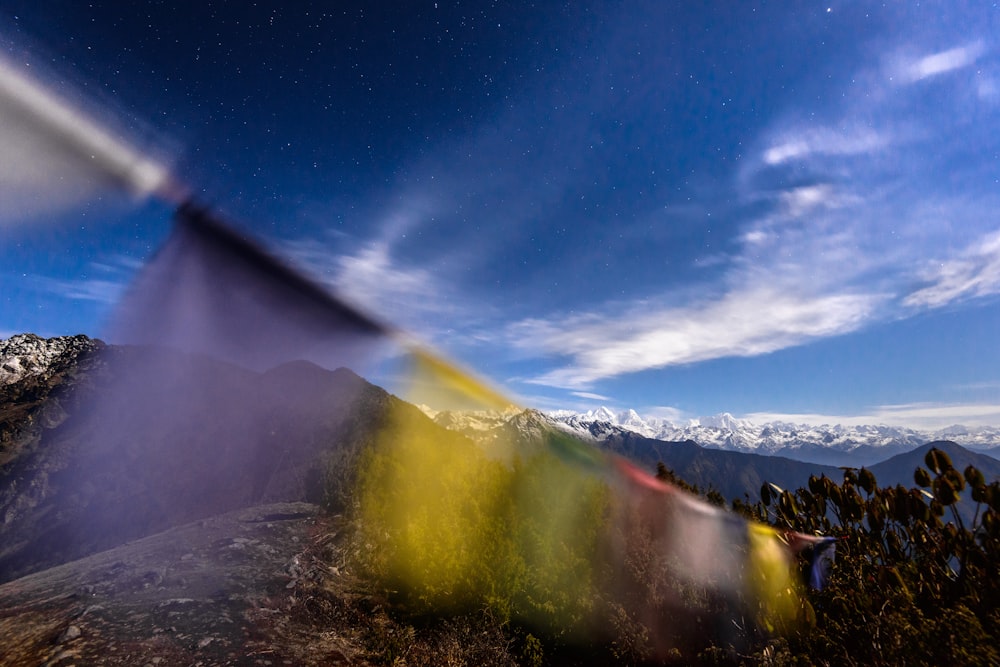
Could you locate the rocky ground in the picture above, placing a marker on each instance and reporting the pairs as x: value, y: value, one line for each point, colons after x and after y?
x: 217, y: 591
x: 267, y: 585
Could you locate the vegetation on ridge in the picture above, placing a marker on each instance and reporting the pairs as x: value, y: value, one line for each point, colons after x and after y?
x: 913, y: 582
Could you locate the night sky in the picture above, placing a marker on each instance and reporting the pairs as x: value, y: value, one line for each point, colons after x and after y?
x: 782, y: 209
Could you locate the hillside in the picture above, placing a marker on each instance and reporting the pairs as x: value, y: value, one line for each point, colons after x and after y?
x: 133, y: 441
x: 735, y: 475
x: 899, y: 469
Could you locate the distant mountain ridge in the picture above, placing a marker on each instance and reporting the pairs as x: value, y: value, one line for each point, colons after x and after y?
x: 27, y: 359
x: 36, y: 373
x: 734, y: 474
x: 836, y: 445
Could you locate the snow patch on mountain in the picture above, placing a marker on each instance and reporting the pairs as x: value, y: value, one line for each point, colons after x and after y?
x: 26, y: 355
x: 724, y: 431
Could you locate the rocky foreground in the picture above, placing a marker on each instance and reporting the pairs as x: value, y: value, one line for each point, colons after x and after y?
x: 268, y: 585
x: 214, y: 591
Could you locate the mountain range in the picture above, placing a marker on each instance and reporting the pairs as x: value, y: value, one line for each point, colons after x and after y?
x: 103, y: 444
x: 835, y: 445
x: 734, y: 474
x: 157, y: 506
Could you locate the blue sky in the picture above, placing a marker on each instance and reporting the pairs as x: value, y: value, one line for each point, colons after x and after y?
x: 780, y: 209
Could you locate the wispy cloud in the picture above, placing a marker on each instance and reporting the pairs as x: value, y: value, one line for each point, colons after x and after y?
x: 923, y: 67
x: 921, y: 416
x: 842, y: 201
x: 807, y: 142
x: 805, y: 199
x: 93, y: 289
x: 741, y: 323
x: 975, y: 272
x: 104, y: 283
x: 591, y: 396
x: 374, y: 277
x: 991, y: 385
x: 370, y: 277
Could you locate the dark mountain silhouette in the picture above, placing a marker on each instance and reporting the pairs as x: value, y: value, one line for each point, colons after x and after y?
x: 733, y: 474
x: 148, y: 439
x: 899, y: 469
x: 862, y: 455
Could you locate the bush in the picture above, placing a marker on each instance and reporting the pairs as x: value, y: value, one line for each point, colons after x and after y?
x: 912, y: 584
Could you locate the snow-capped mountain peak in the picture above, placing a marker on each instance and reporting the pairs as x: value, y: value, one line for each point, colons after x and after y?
x: 836, y: 444
x: 602, y: 414
x: 723, y: 421
x: 25, y: 355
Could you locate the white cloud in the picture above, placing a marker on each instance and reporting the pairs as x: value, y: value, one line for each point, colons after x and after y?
x: 755, y: 237
x: 591, y: 396
x: 370, y: 278
x: 106, y: 288
x: 921, y: 416
x: 98, y: 290
x: 802, y: 200
x: 832, y: 251
x: 745, y: 322
x: 789, y: 149
x: 374, y: 275
x: 924, y: 67
x: 801, y: 143
x: 973, y: 273
x: 991, y: 385
x: 377, y: 282
x: 939, y: 415
x: 861, y: 225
